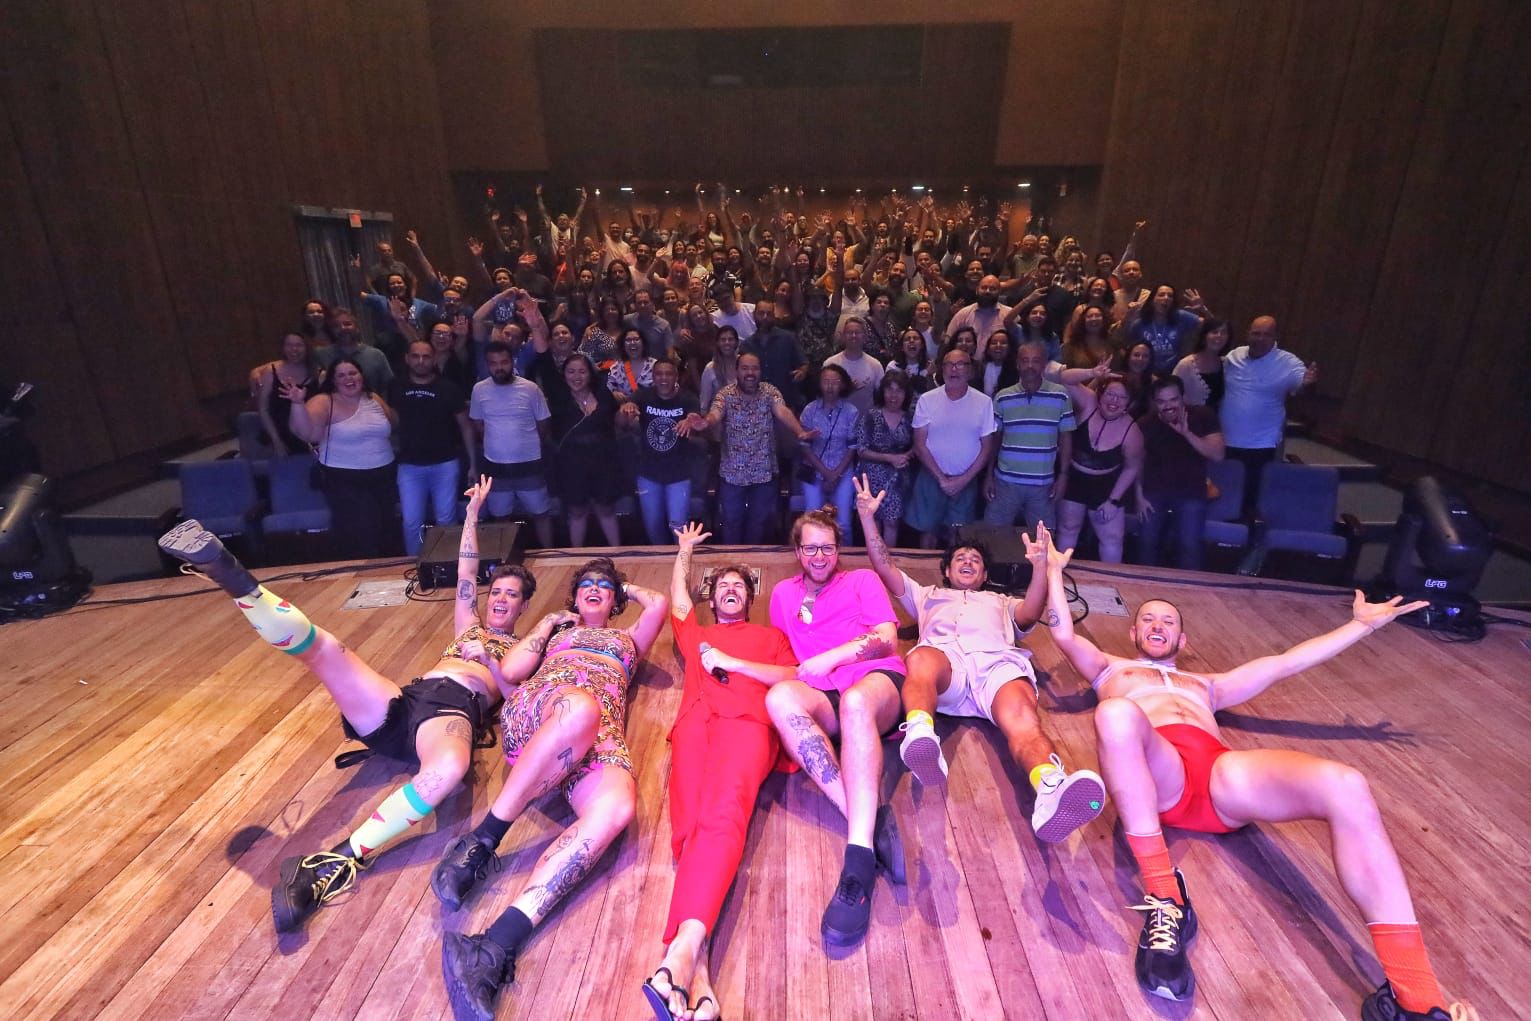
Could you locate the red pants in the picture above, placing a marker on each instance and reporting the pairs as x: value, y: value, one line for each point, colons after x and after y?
x: 716, y: 768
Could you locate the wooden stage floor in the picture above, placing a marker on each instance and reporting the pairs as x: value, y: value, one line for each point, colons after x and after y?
x: 161, y: 761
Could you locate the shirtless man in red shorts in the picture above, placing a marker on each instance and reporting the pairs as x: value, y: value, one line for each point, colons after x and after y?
x: 1164, y: 762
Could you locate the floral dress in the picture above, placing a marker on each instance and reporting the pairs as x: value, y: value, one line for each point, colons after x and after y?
x: 873, y: 433
x: 596, y: 660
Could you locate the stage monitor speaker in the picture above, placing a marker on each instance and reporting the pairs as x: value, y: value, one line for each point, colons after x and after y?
x: 1008, y: 567
x: 498, y: 543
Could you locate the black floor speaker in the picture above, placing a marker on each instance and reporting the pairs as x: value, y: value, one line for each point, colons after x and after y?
x: 1008, y: 567
x: 437, y: 567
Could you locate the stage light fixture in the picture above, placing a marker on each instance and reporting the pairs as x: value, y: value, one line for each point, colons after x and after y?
x: 1438, y: 551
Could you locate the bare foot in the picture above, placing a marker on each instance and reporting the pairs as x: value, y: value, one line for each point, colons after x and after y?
x: 674, y: 996
x: 704, y: 1002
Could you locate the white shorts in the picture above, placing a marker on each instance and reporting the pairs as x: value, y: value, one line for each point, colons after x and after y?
x: 977, y: 678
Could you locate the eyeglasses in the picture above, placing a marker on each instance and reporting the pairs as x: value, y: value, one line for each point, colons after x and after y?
x: 604, y: 583
x: 812, y: 551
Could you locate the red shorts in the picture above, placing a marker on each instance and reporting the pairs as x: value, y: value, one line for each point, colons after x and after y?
x: 1198, y: 750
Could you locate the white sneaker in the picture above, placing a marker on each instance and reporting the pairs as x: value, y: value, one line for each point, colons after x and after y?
x: 1065, y: 802
x: 921, y: 752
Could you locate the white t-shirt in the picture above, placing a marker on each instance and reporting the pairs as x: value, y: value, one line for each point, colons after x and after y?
x: 510, y: 414
x: 957, y: 428
x: 743, y: 319
x: 1254, y: 396
x: 865, y: 373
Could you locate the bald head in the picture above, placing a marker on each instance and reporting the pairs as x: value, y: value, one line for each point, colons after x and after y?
x: 1261, y: 336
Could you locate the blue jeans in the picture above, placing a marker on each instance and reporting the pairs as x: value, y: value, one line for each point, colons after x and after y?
x: 665, y: 507
x: 1189, y: 519
x: 744, y: 512
x: 419, y: 484
x: 842, y: 497
x: 1028, y: 503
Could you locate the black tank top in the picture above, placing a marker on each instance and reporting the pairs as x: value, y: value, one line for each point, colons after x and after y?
x: 1092, y: 460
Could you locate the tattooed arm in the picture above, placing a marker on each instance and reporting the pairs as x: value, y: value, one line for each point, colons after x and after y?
x: 465, y: 606
x: 1081, y: 652
x: 655, y: 607
x: 680, y: 577
x: 880, y: 641
x: 525, y: 656
x: 867, y: 504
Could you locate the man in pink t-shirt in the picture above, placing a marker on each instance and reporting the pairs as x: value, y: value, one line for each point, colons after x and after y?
x: 843, y: 631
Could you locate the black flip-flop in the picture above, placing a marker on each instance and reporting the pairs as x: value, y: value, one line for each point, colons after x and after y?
x: 706, y: 999
x: 660, y: 1004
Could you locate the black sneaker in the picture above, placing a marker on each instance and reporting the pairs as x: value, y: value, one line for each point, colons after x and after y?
x: 1383, y: 1006
x: 204, y: 553
x: 1163, y: 964
x: 474, y: 968
x: 889, y: 846
x: 307, y: 883
x: 461, y: 868
x: 849, y: 913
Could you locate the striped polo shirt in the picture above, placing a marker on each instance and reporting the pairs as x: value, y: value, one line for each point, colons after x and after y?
x: 1029, y: 424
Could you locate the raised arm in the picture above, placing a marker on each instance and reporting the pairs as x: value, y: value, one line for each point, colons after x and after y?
x: 655, y: 606
x: 417, y: 259
x: 689, y: 537
x: 877, y: 551
x: 1030, y: 609
x: 308, y: 419
x: 1088, y: 660
x: 1243, y: 683
x: 465, y: 606
x: 526, y: 655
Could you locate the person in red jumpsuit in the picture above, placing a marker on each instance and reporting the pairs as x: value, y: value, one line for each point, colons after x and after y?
x: 722, y: 748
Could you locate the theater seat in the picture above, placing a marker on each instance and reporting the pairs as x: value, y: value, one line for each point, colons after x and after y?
x: 296, y: 506
x: 221, y: 494
x: 1224, y: 528
x: 1298, y: 514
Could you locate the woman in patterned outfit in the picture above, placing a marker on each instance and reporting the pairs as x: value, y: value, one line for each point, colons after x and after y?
x: 563, y: 727
x: 884, y: 445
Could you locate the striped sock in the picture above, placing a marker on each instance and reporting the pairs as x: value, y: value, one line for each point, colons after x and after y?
x: 398, y: 812
x: 1401, y: 952
x: 280, y: 623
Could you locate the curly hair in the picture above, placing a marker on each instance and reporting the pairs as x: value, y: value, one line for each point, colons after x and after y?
x: 950, y: 553
x: 603, y: 567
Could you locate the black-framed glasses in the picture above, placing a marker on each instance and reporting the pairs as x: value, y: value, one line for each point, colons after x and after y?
x: 812, y: 551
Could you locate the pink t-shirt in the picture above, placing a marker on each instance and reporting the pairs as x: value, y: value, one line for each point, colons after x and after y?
x: 853, y: 603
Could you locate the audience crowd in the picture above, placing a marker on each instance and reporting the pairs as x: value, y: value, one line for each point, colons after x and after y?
x: 749, y: 359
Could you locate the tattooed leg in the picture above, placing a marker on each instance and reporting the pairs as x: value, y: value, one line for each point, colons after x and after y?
x: 569, y: 723
x: 792, y: 706
x: 604, y: 802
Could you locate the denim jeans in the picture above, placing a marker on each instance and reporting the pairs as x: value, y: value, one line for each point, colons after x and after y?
x: 744, y: 512
x: 422, y: 485
x: 1189, y: 518
x: 665, y: 507
x: 1014, y: 501
x: 842, y: 497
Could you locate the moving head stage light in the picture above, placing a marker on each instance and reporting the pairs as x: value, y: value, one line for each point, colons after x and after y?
x: 1439, y: 549
x: 38, y: 574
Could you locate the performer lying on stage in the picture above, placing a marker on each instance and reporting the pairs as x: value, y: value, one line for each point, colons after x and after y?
x: 432, y: 721
x: 1165, y: 763
x: 722, y: 748
x: 966, y: 664
x: 845, y: 635
x: 564, y: 727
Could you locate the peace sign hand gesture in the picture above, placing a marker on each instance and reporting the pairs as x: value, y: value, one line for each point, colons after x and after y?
x: 867, y: 502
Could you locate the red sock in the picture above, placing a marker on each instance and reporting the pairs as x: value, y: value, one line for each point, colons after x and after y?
x: 1401, y: 951
x: 1154, y: 864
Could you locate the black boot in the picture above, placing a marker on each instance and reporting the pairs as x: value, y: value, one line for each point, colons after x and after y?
x: 474, y: 968
x: 462, y: 868
x: 307, y: 883
x: 205, y: 553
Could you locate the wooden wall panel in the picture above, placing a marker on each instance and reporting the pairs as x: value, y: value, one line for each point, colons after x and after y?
x: 1483, y: 430
x: 1461, y: 178
x: 42, y: 345
x: 74, y: 143
x: 160, y: 148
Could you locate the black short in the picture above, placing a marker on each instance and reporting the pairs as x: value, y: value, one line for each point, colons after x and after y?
x: 833, y: 694
x: 424, y: 698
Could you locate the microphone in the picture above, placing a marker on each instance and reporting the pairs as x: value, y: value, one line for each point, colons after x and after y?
x: 717, y: 671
